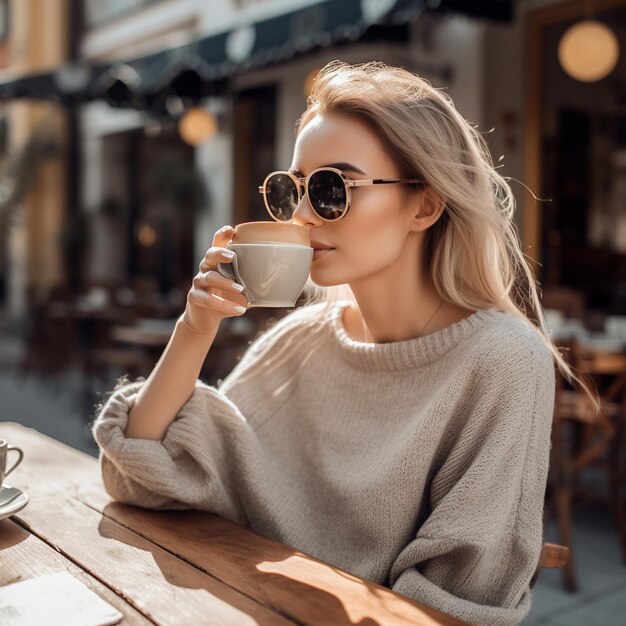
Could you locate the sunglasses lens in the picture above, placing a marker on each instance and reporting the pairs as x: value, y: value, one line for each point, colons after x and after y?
x: 281, y: 196
x: 327, y: 194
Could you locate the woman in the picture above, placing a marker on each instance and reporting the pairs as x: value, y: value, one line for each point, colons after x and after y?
x: 398, y: 424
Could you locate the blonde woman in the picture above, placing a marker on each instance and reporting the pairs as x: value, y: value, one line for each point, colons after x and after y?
x: 398, y: 424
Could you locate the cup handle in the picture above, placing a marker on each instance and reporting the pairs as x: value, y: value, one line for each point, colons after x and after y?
x: 225, y: 270
x: 19, y: 460
x: 231, y: 270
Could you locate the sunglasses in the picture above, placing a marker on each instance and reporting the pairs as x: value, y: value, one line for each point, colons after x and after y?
x: 327, y: 188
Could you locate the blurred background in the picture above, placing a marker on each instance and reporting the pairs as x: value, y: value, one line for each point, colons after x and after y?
x: 131, y: 130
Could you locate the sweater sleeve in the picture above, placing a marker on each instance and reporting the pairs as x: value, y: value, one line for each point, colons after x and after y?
x: 204, y: 457
x: 476, y: 552
x: 194, y: 466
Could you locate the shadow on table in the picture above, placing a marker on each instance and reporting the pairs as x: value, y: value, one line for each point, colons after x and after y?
x: 11, y: 534
x: 253, y: 571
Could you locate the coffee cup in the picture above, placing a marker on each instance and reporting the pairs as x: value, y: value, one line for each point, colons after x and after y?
x: 272, y: 262
x: 5, y: 448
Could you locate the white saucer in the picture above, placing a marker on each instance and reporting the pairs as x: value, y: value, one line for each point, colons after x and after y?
x: 15, y: 505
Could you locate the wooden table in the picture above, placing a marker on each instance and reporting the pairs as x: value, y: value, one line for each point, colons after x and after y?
x: 581, y: 438
x: 598, y: 362
x: 142, y: 337
x: 174, y: 567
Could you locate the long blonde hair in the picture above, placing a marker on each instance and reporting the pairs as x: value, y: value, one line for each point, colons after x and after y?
x: 473, y: 250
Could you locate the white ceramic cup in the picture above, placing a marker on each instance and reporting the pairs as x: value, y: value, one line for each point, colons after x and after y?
x: 5, y: 448
x: 272, y: 274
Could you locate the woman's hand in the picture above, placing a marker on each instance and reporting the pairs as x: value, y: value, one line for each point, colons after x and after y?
x: 213, y: 297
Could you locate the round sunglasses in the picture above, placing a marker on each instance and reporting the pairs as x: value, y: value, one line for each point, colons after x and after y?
x: 327, y: 188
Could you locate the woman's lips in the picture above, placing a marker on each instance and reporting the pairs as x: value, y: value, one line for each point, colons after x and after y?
x: 321, y: 252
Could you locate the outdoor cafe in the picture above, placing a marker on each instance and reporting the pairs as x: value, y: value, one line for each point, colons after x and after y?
x: 129, y: 134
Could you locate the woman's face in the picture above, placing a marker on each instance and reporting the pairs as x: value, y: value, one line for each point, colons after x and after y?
x: 371, y: 236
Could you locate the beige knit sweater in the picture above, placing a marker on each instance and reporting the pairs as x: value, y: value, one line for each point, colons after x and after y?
x: 420, y: 464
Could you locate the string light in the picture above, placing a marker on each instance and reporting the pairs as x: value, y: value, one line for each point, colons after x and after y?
x: 196, y: 126
x: 588, y: 51
x: 147, y: 236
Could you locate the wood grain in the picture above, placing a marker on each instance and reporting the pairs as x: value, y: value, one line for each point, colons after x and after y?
x: 156, y: 582
x: 301, y: 587
x: 151, y: 579
x: 291, y: 583
x: 24, y: 556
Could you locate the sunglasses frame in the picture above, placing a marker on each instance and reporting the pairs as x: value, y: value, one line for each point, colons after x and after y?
x: 302, y: 185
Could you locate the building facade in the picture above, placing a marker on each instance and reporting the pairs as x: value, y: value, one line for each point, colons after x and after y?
x: 257, y: 117
x: 33, y: 38
x: 152, y: 202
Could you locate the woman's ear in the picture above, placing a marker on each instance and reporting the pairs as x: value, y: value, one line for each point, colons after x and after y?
x: 426, y: 208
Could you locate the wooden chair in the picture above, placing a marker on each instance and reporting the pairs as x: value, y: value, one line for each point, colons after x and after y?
x: 599, y: 364
x: 580, y: 438
x: 618, y: 483
x: 570, y: 302
x: 552, y: 555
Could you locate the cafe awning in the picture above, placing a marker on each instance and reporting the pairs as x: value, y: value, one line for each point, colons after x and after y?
x: 204, y: 67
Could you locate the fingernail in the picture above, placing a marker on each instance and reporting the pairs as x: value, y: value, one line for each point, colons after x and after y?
x: 237, y: 286
x: 228, y: 253
x: 240, y: 309
x: 223, y: 229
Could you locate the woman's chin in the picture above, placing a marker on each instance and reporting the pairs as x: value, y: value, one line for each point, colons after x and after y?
x: 318, y: 278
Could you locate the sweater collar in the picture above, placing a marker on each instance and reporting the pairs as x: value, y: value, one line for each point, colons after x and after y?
x: 400, y: 355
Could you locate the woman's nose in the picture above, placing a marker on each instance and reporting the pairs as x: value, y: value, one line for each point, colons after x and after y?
x: 304, y: 213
